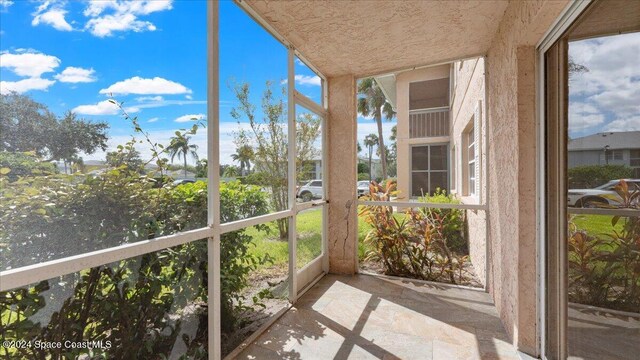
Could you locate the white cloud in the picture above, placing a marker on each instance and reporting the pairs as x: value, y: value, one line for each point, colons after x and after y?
x: 305, y: 80
x: 4, y: 4
x: 150, y: 99
x: 308, y: 80
x: 584, y: 116
x: 138, y: 7
x: 123, y: 15
x: 76, y: 75
x: 53, y: 16
x: 162, y: 103
x: 24, y: 85
x: 612, y: 82
x: 141, y: 86
x: 622, y: 100
x: 28, y: 63
x: 627, y: 124
x: 152, y: 120
x: 105, y: 107
x: 190, y: 117
x: 188, y: 97
x: 106, y: 25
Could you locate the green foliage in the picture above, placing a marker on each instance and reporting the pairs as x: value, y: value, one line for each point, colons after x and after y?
x: 126, y: 157
x: 590, y: 176
x: 231, y: 171
x: 307, y: 132
x: 453, y: 220
x: 257, y: 178
x: 416, y: 245
x: 18, y: 164
x: 604, y: 269
x: 181, y: 146
x: 373, y: 102
x: 131, y: 300
x: 72, y: 136
x: 26, y: 125
x: 363, y: 176
x: 201, y: 169
x: 135, y: 303
x: 268, y: 134
x: 363, y: 169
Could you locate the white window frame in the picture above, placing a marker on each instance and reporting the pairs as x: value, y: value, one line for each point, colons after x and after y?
x: 428, y: 171
x: 471, y: 160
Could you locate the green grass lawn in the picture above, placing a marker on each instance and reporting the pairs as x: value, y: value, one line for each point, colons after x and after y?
x: 597, y: 225
x: 309, y: 227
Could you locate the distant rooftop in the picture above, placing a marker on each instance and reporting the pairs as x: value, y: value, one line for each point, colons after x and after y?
x: 615, y: 140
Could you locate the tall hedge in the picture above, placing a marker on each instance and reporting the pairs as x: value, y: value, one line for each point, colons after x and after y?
x: 590, y: 176
x: 145, y: 306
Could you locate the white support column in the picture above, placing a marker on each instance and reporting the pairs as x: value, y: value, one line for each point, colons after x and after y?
x: 341, y: 169
x: 291, y: 155
x: 213, y: 185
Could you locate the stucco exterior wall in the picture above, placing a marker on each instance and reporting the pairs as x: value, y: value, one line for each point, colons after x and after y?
x: 467, y: 102
x: 403, y: 80
x: 341, y: 174
x: 511, y: 173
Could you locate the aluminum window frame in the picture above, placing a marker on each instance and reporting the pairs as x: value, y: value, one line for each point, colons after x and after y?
x: 571, y: 12
x: 30, y: 274
x: 429, y: 171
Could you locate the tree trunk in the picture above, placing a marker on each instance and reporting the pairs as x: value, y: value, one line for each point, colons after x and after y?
x: 370, y: 168
x: 383, y: 152
x: 185, y: 166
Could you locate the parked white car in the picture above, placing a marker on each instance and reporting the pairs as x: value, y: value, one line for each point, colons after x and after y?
x: 311, y: 190
x: 599, y: 196
x: 363, y: 188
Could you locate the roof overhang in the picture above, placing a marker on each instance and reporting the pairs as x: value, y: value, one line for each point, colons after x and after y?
x: 365, y: 38
x: 387, y: 84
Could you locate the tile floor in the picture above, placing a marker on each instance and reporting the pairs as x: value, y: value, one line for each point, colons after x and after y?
x: 597, y: 333
x: 370, y: 317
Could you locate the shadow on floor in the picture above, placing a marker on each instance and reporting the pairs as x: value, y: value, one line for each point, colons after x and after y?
x: 370, y: 317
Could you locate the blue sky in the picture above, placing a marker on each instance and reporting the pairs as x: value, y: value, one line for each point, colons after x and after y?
x: 151, y: 55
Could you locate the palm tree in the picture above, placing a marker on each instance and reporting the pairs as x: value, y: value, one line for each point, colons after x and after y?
x: 370, y: 141
x: 372, y: 102
x: 244, y: 155
x: 180, y: 146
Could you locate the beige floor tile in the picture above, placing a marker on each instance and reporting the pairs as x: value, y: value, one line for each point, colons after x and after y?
x: 367, y: 317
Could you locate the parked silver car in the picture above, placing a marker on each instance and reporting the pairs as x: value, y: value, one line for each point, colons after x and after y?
x: 311, y: 190
x: 599, y: 196
x: 363, y: 188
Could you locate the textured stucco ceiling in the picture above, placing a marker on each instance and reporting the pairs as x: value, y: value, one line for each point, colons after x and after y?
x: 370, y: 37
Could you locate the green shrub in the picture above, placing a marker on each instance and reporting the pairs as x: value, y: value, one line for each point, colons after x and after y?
x: 363, y: 176
x: 363, y: 168
x: 453, y: 219
x: 415, y: 245
x: 604, y: 269
x: 63, y: 215
x: 24, y: 164
x: 587, y: 177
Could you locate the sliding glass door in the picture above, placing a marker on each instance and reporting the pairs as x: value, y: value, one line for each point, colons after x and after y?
x: 592, y: 191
